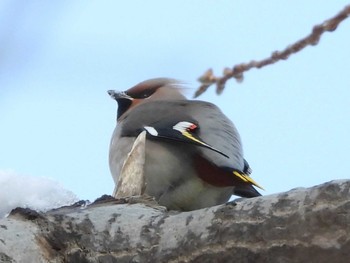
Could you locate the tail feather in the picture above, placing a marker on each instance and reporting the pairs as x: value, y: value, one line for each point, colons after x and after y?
x: 247, y: 191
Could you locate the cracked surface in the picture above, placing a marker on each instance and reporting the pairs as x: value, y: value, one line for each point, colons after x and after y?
x: 302, y: 225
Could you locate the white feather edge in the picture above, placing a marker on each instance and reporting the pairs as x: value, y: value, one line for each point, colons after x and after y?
x: 182, y: 126
x: 151, y: 130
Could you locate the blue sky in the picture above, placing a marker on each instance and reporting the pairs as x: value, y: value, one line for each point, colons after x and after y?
x: 58, y: 59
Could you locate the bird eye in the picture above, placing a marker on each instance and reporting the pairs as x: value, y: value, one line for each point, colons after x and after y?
x: 143, y: 95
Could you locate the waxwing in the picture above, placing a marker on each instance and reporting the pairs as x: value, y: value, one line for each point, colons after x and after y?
x: 193, y: 152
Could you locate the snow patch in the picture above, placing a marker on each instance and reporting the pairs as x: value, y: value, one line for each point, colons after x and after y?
x: 36, y: 193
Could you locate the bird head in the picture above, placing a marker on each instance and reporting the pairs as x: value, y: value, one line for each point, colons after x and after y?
x: 146, y: 91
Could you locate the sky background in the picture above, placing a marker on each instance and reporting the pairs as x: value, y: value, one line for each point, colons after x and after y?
x: 58, y: 59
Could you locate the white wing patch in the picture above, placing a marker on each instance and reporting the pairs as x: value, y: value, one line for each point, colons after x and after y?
x: 182, y: 126
x: 151, y: 130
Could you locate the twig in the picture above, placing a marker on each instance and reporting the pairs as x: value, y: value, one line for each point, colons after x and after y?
x: 208, y: 78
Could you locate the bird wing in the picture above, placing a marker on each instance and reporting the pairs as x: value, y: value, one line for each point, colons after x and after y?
x: 197, y: 123
x: 183, y: 131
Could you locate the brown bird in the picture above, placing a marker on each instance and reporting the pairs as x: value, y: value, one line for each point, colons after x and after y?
x: 193, y: 152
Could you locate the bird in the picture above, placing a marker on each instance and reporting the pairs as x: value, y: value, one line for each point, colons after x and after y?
x: 193, y: 152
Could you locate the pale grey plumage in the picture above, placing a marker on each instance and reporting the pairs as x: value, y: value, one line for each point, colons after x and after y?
x: 170, y: 175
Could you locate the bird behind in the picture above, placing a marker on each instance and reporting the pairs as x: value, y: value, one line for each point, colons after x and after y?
x: 193, y: 152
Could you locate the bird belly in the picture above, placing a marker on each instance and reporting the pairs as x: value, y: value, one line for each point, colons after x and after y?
x: 119, y: 150
x: 171, y: 178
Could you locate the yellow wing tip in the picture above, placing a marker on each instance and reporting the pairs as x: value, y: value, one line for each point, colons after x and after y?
x: 256, y: 184
x: 248, y: 179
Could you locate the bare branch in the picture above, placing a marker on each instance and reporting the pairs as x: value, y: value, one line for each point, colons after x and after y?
x: 208, y: 78
x: 131, y: 181
x: 301, y: 225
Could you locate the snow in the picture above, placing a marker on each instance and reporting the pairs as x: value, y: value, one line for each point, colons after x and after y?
x: 37, y: 193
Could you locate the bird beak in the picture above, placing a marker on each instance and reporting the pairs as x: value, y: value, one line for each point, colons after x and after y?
x: 124, y: 101
x: 118, y: 95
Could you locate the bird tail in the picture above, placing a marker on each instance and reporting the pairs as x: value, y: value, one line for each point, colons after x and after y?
x: 246, y: 190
